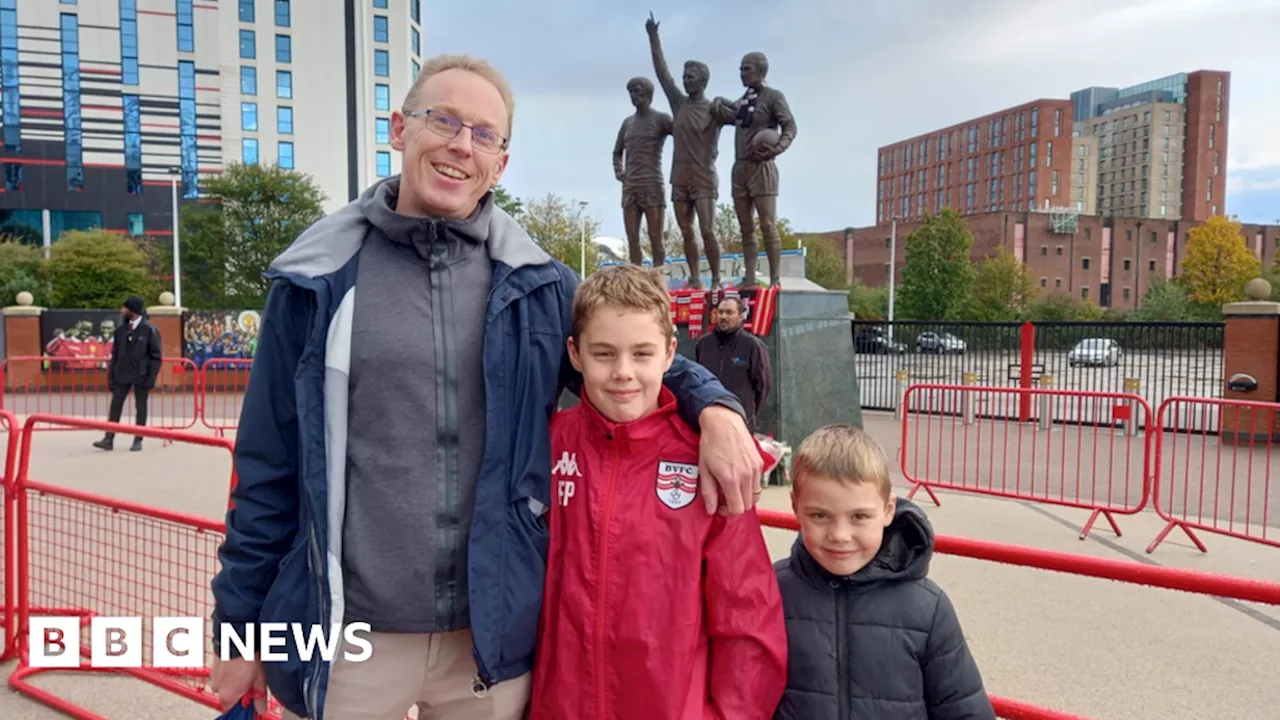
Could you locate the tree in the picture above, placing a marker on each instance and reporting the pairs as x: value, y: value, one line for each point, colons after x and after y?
x: 938, y: 274
x: 868, y: 303
x: 95, y: 270
x: 22, y: 267
x: 503, y: 199
x: 559, y: 231
x: 1218, y: 263
x: 252, y: 213
x: 1164, y: 302
x: 1003, y: 290
x: 823, y: 264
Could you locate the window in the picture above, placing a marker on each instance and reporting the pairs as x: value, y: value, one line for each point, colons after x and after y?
x: 71, y: 119
x: 384, y: 163
x: 284, y: 84
x: 380, y: 28
x: 382, y: 131
x: 1044, y: 282
x: 415, y: 68
x: 249, y: 151
x: 246, y: 11
x: 285, y: 151
x: 415, y: 10
x: 284, y: 49
x: 248, y: 47
x: 132, y: 144
x: 1126, y: 264
x: 249, y: 116
x: 1151, y: 265
x: 380, y: 4
x: 248, y: 80
x: 415, y: 40
x: 135, y: 224
x: 381, y: 63
x: 187, y: 127
x: 1058, y: 251
x: 282, y: 13
x: 186, y: 30
x: 1084, y: 264
x: 1044, y: 250
x: 284, y: 120
x: 1057, y: 282
x: 1084, y: 293
x: 12, y: 113
x: 128, y: 42
x: 1126, y: 293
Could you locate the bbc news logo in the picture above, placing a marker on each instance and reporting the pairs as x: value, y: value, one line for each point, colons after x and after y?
x: 178, y: 642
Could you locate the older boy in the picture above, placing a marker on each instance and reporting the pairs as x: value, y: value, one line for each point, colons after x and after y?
x: 870, y: 636
x: 652, y: 610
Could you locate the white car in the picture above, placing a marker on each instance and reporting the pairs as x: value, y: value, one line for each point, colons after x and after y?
x: 1095, y: 351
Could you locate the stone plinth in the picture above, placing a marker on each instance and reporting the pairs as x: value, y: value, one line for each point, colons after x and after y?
x: 1251, y: 347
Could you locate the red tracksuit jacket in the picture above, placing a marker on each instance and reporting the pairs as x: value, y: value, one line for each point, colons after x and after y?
x: 653, y: 609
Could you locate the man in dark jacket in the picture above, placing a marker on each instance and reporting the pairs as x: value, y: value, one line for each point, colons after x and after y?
x: 868, y: 634
x: 738, y: 358
x: 135, y: 363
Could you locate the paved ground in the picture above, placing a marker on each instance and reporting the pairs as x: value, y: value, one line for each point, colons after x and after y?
x: 1098, y: 648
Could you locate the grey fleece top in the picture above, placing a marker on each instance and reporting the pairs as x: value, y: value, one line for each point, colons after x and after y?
x: 416, y: 418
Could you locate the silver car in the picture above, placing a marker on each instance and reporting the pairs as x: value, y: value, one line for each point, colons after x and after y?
x: 1103, y: 352
x: 936, y: 342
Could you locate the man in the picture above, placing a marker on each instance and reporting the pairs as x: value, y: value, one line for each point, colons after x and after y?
x: 738, y: 358
x: 637, y: 164
x: 135, y: 362
x: 755, y: 175
x: 695, y: 185
x: 393, y: 451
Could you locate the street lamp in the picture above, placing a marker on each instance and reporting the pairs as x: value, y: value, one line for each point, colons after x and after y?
x: 582, y: 238
x: 893, y: 267
x: 174, y: 174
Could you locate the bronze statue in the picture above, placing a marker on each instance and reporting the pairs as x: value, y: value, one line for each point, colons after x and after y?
x: 695, y: 186
x: 640, y: 139
x: 754, y: 175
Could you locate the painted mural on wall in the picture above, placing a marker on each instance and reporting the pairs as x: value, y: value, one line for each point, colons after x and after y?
x: 82, y: 338
x: 217, y: 334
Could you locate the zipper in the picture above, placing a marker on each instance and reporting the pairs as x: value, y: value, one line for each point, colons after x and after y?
x: 602, y: 582
x: 843, y: 684
x: 313, y: 687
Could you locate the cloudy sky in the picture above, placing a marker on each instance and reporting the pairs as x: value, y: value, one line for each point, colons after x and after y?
x: 858, y: 74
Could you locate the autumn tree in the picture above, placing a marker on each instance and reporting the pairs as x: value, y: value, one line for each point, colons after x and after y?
x: 503, y: 199
x: 559, y: 228
x: 937, y: 275
x: 1003, y: 290
x: 1218, y: 263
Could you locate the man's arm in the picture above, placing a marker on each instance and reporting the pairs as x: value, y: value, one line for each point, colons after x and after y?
x: 619, y: 148
x: 782, y: 113
x: 570, y: 378
x: 761, y: 374
x: 264, y: 515
x: 953, y: 688
x: 675, y: 96
x: 723, y: 111
x: 745, y: 623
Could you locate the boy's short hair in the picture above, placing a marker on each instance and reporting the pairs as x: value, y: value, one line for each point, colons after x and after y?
x: 843, y: 453
x: 623, y: 287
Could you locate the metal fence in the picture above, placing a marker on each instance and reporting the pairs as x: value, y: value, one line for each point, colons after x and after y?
x: 1153, y: 360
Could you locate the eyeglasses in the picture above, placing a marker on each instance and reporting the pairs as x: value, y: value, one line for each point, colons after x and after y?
x: 448, y: 126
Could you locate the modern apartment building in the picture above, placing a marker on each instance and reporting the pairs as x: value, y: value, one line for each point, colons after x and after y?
x: 109, y: 103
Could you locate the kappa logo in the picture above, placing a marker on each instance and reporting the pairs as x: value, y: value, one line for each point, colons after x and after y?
x: 567, y: 465
x: 677, y: 483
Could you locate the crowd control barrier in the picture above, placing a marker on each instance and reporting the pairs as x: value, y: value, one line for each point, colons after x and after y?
x: 8, y: 586
x: 1075, y: 448
x: 222, y: 385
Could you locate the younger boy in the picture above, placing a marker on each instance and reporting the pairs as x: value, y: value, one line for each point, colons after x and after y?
x: 652, y: 609
x: 870, y: 636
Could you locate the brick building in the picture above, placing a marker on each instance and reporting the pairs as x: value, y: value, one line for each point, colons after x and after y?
x: 1111, y: 260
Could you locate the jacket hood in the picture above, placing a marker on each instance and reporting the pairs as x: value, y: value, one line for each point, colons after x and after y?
x: 905, y: 553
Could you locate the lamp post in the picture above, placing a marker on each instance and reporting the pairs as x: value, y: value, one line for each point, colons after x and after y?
x: 174, y: 174
x: 582, y: 238
x: 893, y: 267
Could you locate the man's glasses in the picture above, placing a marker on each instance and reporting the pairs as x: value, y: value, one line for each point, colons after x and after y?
x: 448, y: 126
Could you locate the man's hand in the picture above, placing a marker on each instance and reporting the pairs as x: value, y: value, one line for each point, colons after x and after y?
x: 764, y: 153
x: 728, y: 461
x: 234, y: 679
x: 651, y: 25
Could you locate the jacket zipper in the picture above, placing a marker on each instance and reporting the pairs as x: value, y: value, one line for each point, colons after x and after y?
x: 843, y: 684
x: 314, y: 688
x: 602, y: 583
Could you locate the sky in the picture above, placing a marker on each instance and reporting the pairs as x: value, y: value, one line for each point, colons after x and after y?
x: 858, y: 74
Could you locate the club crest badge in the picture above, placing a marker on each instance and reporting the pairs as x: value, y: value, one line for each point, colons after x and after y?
x: 677, y: 483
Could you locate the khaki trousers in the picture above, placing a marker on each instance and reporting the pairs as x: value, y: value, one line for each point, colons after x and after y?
x: 433, y: 672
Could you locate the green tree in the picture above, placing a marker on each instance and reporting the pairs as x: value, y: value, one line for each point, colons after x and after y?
x: 1164, y: 301
x: 95, y: 270
x: 252, y: 213
x: 729, y: 232
x: 823, y: 264
x: 868, y: 303
x: 503, y: 199
x: 937, y: 275
x: 1057, y: 306
x: 559, y: 231
x: 1003, y: 290
x: 1218, y: 263
x: 22, y: 267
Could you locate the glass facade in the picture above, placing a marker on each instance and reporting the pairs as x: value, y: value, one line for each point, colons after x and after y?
x: 72, y: 122
x: 129, y: 42
x: 28, y: 225
x: 187, y: 127
x: 133, y: 143
x: 186, y: 26
x: 9, y: 76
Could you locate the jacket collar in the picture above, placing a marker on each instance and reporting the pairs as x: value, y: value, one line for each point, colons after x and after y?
x: 657, y: 424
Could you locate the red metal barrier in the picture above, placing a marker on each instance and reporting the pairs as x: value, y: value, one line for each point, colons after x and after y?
x: 77, y: 388
x: 8, y: 587
x: 1220, y: 478
x: 1078, y: 449
x: 222, y: 385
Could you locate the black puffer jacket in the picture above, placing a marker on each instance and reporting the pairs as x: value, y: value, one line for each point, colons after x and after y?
x: 881, y: 644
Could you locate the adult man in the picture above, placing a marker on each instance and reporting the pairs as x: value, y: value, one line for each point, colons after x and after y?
x: 135, y: 362
x: 695, y: 185
x: 755, y: 175
x: 738, y: 358
x: 382, y: 479
x: 637, y: 163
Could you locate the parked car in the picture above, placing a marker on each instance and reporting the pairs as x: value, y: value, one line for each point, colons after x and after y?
x: 1095, y: 351
x: 874, y: 341
x: 940, y: 343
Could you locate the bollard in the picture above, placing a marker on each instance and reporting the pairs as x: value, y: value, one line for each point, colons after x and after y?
x: 967, y: 401
x: 900, y: 377
x: 1132, y: 385
x: 1046, y: 403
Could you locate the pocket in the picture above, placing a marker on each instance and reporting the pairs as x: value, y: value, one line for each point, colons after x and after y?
x: 524, y: 566
x: 289, y: 601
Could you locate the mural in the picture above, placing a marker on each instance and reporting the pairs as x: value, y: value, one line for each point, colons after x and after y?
x: 210, y: 334
x: 83, y: 337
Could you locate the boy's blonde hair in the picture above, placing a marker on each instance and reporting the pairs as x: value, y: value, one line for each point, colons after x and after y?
x: 843, y: 453
x: 623, y: 287
x: 440, y: 63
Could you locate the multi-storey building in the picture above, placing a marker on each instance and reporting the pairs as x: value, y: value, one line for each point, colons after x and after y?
x: 109, y: 103
x: 1139, y: 168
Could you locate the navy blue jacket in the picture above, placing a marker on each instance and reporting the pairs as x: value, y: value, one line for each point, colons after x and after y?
x: 281, y: 558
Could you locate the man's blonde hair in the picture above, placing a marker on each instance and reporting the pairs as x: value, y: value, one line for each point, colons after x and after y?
x: 843, y: 453
x: 623, y: 287
x: 440, y: 63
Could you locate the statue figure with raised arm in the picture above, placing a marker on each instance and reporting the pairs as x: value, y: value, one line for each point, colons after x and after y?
x: 695, y: 186
x: 637, y: 163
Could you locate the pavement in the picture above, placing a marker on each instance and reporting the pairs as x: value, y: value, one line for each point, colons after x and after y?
x: 1094, y: 647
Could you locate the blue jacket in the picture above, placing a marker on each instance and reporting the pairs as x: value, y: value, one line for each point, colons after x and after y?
x: 281, y: 561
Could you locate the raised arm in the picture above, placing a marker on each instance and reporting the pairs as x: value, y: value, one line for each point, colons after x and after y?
x: 674, y: 95
x: 619, y: 148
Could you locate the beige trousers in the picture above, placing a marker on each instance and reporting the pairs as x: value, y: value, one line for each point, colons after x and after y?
x: 433, y: 672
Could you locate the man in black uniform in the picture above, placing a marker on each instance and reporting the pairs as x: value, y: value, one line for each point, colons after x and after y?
x: 135, y: 363
x: 738, y: 358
